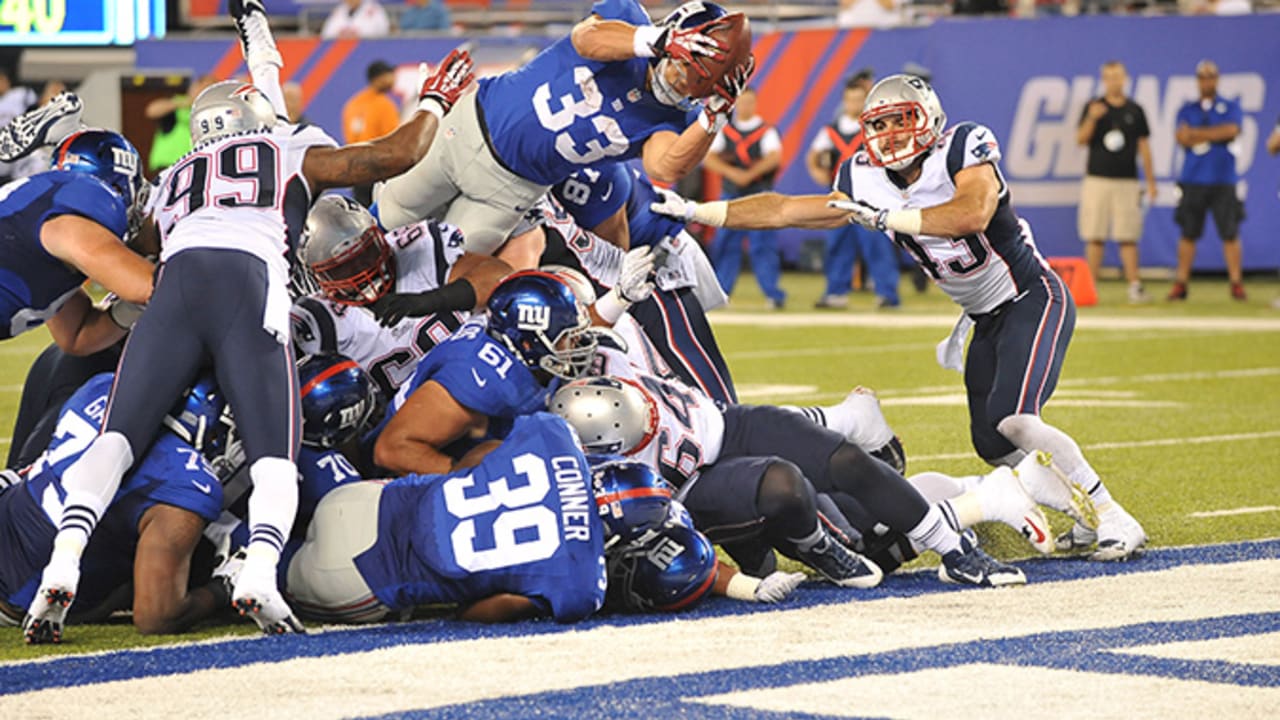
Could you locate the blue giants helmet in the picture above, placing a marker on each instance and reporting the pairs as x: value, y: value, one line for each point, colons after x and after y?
x: 666, y: 569
x: 632, y: 498
x: 338, y: 399
x: 536, y: 315
x: 107, y: 156
x: 202, y: 418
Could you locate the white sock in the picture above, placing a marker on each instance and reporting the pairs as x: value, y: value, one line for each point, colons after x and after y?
x: 934, y: 533
x: 272, y: 504
x: 806, y: 543
x: 936, y: 486
x: 1029, y: 432
x: 91, y: 482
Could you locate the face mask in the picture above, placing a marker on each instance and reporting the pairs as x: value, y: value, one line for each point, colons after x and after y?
x: 664, y: 92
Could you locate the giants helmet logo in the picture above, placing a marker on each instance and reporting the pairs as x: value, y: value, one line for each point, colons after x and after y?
x: 533, y: 317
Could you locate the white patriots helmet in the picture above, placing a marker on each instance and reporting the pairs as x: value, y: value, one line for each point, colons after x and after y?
x: 227, y: 108
x: 901, y: 120
x: 611, y: 415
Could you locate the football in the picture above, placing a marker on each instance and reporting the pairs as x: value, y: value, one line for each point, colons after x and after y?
x: 733, y: 31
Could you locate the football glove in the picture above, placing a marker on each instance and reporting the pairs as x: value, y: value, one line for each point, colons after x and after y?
x: 46, y: 125
x: 867, y: 215
x: 715, y: 114
x: 440, y: 90
x: 635, y: 279
x: 777, y: 586
x: 672, y: 204
x: 686, y: 43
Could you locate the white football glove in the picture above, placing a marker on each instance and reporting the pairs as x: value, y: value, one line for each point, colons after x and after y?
x: 719, y: 105
x: 777, y: 586
x: 670, y: 203
x: 866, y: 215
x: 635, y: 279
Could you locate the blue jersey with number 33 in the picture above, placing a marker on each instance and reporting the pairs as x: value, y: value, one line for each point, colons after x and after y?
x: 522, y: 522
x: 561, y: 112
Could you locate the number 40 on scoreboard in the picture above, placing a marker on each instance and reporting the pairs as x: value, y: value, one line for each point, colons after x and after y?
x: 80, y: 22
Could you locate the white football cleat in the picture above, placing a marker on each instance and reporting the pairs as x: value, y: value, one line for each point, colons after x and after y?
x: 48, y: 610
x: 256, y: 41
x: 1120, y: 536
x: 1008, y: 501
x: 257, y: 597
x: 1048, y: 486
x: 1077, y: 538
x: 39, y: 127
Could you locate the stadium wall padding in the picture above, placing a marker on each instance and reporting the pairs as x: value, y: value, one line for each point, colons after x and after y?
x: 1026, y: 79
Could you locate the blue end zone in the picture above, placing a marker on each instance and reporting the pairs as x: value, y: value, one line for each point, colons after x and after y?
x: 1052, y: 650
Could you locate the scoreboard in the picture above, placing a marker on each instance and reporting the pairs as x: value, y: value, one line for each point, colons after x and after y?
x: 80, y: 22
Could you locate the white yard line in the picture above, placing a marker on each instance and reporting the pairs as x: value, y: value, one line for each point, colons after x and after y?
x: 1161, y: 442
x: 904, y: 320
x: 1235, y: 511
x: 375, y: 682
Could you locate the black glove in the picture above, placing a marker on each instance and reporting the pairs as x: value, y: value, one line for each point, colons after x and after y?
x: 391, y: 308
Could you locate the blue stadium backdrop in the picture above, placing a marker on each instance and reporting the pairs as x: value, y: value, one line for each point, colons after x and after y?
x: 1027, y: 80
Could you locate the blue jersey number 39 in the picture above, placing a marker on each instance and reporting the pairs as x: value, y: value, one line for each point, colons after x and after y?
x: 525, y: 530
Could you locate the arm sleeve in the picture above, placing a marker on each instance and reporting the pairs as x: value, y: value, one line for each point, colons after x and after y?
x: 1234, y: 114
x: 91, y: 199
x: 1144, y: 130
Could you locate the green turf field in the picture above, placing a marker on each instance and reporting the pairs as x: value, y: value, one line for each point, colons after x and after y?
x: 1179, y: 417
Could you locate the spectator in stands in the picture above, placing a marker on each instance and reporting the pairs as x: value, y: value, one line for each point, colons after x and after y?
x: 1208, y: 181
x: 14, y: 100
x: 425, y: 15
x: 870, y: 13
x: 1221, y: 7
x: 980, y: 7
x: 747, y: 154
x: 1115, y: 130
x: 834, y: 144
x: 865, y: 78
x: 369, y: 114
x: 356, y: 18
x: 173, y: 125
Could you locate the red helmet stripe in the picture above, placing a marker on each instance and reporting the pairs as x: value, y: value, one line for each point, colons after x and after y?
x: 609, y: 498
x: 328, y: 373
x: 694, y: 597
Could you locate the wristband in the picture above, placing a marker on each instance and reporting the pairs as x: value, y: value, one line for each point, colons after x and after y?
x: 903, y: 221
x: 712, y: 126
x: 433, y: 106
x: 742, y: 587
x: 611, y: 306
x: 711, y: 213
x: 643, y: 41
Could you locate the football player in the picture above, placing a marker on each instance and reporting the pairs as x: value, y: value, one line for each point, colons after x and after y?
x: 385, y: 299
x: 223, y: 297
x: 940, y: 194
x: 495, y: 368
x: 616, y: 87
x: 674, y: 318
x: 148, y: 531
x: 747, y: 471
x: 68, y: 224
x: 515, y: 536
